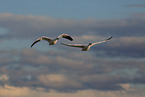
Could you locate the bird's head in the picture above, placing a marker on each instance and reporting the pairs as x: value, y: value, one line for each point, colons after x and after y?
x: 90, y: 43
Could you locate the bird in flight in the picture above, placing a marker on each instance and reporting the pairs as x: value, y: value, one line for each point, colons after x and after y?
x: 86, y: 47
x: 53, y: 41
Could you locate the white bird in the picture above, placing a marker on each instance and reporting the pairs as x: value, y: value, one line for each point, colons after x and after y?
x: 86, y: 47
x: 53, y: 41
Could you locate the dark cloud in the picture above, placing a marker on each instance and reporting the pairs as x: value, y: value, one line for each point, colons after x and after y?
x: 28, y: 26
x: 127, y: 47
x: 68, y: 73
x: 104, y: 67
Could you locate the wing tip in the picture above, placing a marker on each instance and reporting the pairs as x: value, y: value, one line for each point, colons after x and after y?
x: 31, y: 45
x: 71, y: 39
x: 35, y: 42
x: 110, y: 38
x: 68, y: 37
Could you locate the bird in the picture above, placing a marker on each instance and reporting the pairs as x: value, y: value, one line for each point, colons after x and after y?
x: 53, y: 41
x: 86, y: 47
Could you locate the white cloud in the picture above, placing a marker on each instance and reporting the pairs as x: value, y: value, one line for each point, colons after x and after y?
x: 58, y: 81
x: 4, y: 77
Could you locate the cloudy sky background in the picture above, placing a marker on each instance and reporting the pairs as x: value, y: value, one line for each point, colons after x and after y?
x: 111, y: 69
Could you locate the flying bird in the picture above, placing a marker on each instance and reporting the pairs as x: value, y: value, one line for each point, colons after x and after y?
x: 86, y: 47
x: 53, y: 41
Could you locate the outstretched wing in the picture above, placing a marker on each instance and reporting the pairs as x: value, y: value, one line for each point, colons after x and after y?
x: 35, y: 42
x: 74, y: 45
x: 101, y: 41
x: 65, y: 36
x: 46, y: 38
x: 42, y: 38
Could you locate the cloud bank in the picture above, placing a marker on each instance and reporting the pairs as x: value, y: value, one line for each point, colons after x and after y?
x: 114, y: 68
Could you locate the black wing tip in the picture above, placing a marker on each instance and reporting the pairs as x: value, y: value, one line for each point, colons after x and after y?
x: 32, y: 45
x: 71, y: 39
x: 68, y: 37
x: 110, y: 38
x: 35, y: 42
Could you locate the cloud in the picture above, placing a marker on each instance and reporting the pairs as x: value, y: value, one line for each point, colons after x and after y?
x: 67, y: 73
x: 59, y: 82
x: 8, y: 91
x: 128, y: 33
x: 28, y: 26
x: 106, y: 67
x: 36, y: 57
x: 4, y: 77
x: 121, y: 47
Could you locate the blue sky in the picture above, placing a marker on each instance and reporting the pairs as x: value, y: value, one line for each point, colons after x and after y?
x: 82, y: 9
x: 111, y: 69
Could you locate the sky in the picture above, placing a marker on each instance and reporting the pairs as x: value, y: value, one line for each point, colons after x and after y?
x: 111, y: 69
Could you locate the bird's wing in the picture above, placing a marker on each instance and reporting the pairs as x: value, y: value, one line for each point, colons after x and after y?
x: 101, y: 41
x: 46, y: 38
x: 66, y: 36
x: 39, y: 39
x: 42, y: 38
x: 74, y: 45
